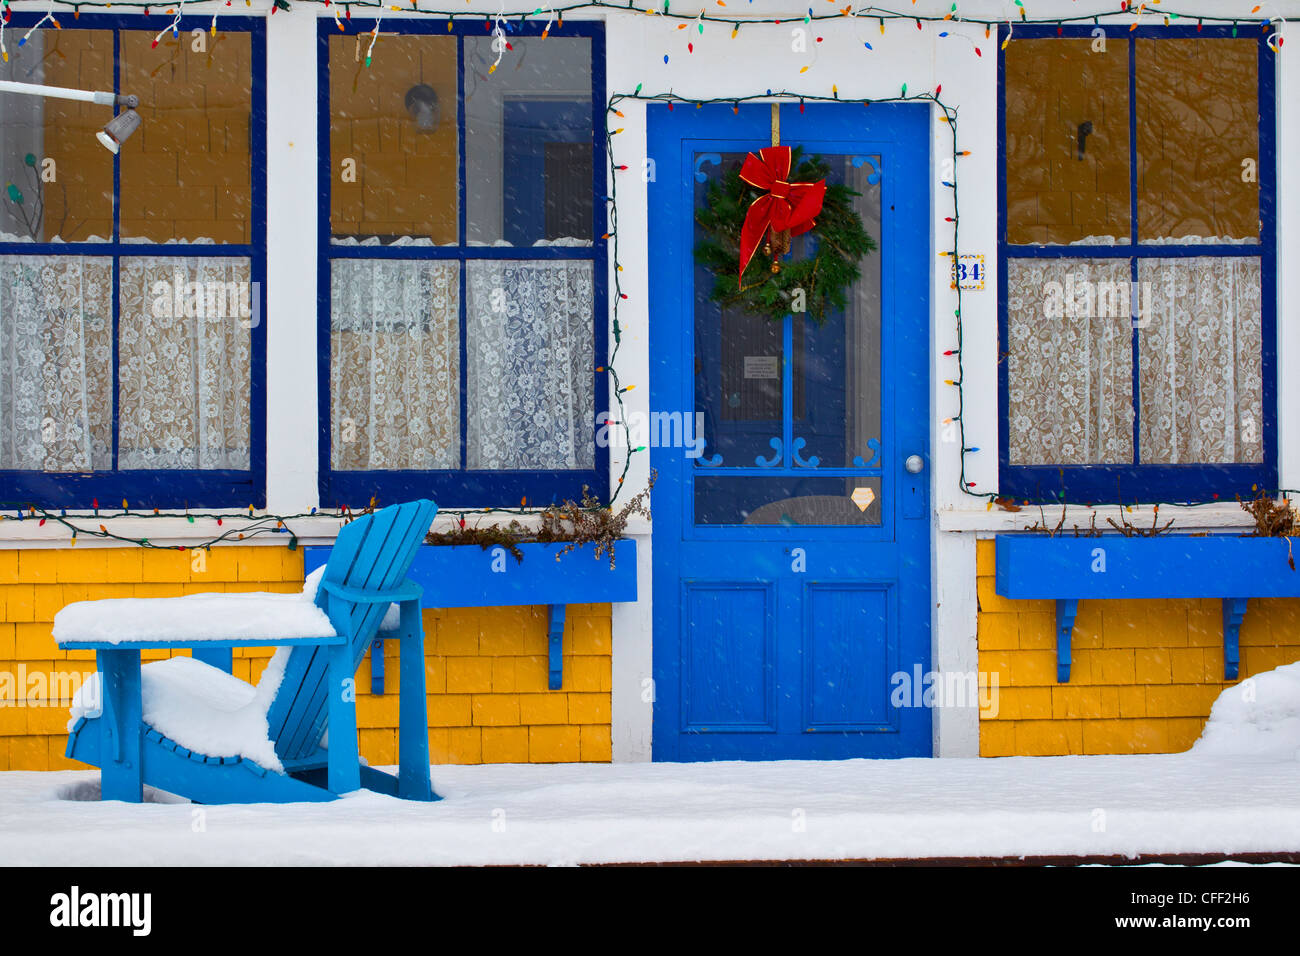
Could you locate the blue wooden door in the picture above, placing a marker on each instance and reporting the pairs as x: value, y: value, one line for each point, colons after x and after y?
x: 791, y: 545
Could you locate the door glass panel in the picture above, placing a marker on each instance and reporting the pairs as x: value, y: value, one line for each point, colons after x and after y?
x: 836, y: 372
x: 792, y: 395
x: 789, y: 500
x: 738, y: 357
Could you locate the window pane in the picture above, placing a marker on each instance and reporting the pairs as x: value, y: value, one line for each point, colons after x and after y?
x: 58, y: 180
x: 738, y: 356
x: 1199, y: 361
x: 185, y: 173
x: 56, y: 363
x: 834, y: 364
x: 394, y: 149
x: 394, y: 365
x: 184, y: 362
x: 1070, y: 361
x: 531, y: 367
x: 837, y: 365
x: 786, y: 500
x: 528, y: 142
x: 1067, y: 141
x: 1198, y: 140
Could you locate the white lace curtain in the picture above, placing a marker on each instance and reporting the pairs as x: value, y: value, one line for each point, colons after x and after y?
x: 530, y: 376
x: 395, y: 364
x: 185, y: 362
x: 1069, y: 365
x: 1200, y: 377
x: 1070, y: 372
x: 56, y: 363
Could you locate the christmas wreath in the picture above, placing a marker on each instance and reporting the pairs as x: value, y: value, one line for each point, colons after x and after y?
x: 760, y: 206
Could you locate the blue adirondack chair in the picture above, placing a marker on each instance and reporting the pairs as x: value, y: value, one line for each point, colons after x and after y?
x: 366, y: 573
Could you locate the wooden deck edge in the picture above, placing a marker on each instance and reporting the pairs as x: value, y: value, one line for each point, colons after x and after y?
x: 1173, y: 859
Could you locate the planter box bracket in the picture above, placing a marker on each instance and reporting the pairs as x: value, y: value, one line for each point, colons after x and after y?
x: 1234, y: 610
x: 1066, y: 610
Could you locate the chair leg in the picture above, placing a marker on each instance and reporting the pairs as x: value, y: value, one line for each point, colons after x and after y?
x: 344, y: 773
x: 122, y: 772
x: 413, y: 729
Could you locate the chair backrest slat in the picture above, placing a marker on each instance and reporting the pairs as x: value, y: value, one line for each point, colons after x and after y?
x: 372, y: 553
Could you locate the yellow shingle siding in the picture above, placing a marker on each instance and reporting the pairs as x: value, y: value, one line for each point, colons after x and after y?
x: 1143, y: 673
x: 485, y: 668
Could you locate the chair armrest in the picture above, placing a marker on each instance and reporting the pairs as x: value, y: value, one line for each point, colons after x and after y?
x: 406, y: 591
x: 155, y: 643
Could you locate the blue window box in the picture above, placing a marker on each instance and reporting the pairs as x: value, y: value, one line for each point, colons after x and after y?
x: 470, y: 576
x: 1231, y: 567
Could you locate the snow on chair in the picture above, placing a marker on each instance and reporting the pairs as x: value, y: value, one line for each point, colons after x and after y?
x: 189, y: 728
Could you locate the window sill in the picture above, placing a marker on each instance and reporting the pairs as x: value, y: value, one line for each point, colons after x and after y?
x: 1202, y: 517
x: 180, y: 533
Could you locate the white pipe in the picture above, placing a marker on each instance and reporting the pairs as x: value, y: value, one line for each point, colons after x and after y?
x: 35, y: 89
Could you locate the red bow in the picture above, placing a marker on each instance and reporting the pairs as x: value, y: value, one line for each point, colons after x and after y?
x: 787, y: 207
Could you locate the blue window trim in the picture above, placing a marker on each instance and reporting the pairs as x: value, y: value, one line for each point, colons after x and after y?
x: 1138, y: 482
x: 462, y: 488
x: 165, y: 488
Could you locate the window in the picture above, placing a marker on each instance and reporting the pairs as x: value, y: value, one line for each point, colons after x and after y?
x: 130, y: 284
x: 1137, y: 264
x: 463, y: 263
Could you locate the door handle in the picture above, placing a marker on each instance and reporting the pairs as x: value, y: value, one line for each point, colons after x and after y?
x: 914, y: 464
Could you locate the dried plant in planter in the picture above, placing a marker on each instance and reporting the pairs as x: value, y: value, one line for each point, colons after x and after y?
x: 1092, y: 531
x: 590, y: 523
x: 506, y: 536
x: 1130, y: 530
x: 1273, y: 519
x: 1058, y: 530
x: 573, y: 524
x: 1042, y: 527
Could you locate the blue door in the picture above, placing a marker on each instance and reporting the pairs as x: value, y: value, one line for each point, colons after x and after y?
x: 792, y: 543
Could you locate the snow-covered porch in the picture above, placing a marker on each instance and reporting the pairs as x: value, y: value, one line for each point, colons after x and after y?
x: 564, y: 814
x: 1237, y: 791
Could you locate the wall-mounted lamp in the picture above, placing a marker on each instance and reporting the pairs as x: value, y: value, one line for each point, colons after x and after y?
x: 118, y: 128
x: 114, y: 134
x: 422, y: 104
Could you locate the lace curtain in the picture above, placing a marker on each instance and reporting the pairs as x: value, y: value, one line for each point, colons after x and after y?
x: 1199, y: 366
x: 395, y: 368
x: 184, y: 357
x: 1199, y: 361
x: 1070, y: 369
x: 530, y: 353
x: 56, y: 355
x: 185, y: 360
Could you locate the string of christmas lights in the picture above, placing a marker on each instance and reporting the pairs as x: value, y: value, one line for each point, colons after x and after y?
x: 270, y: 523
x: 949, y: 114
x: 950, y: 117
x: 1148, y: 11
x: 256, y: 524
